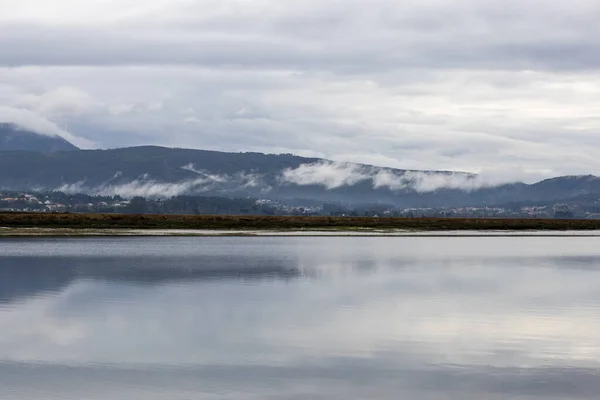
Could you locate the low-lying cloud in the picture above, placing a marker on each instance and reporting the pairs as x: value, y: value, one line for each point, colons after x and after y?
x: 145, y: 186
x: 241, y: 179
x: 31, y: 121
x: 138, y: 187
x: 333, y: 175
x: 328, y: 174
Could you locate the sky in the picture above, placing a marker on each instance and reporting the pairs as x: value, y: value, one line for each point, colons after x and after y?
x: 509, y: 88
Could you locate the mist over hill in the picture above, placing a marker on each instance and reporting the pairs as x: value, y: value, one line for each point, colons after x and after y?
x: 159, y: 172
x: 12, y: 137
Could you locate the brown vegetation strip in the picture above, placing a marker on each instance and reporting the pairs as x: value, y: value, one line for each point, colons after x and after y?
x: 115, y: 221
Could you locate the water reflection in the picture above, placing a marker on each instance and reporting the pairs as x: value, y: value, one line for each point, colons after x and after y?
x: 30, y: 276
x: 335, y: 318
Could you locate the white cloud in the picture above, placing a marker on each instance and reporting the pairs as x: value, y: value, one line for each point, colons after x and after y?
x: 328, y: 174
x: 120, y: 108
x: 333, y: 175
x: 58, y: 102
x: 140, y: 187
x: 145, y: 186
x: 38, y: 124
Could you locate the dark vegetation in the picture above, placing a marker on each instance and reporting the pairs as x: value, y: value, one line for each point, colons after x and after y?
x: 137, y: 221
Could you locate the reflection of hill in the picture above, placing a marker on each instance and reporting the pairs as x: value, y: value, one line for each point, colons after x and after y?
x: 22, y: 277
x: 26, y: 277
x: 167, y: 269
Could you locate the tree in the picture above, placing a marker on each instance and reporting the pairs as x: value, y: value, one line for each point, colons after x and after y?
x: 138, y: 205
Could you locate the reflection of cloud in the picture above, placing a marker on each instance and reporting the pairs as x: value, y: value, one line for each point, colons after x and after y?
x: 390, y: 313
x: 340, y: 379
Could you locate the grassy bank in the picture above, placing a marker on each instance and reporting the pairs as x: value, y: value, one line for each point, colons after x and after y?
x: 223, y: 222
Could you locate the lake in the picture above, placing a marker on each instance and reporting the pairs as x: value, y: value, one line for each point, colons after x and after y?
x: 300, y: 318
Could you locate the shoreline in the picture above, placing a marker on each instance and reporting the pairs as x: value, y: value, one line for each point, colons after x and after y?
x: 33, y: 232
x: 78, y: 225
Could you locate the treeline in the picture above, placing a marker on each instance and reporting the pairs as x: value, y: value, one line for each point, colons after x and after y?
x: 197, y: 205
x: 57, y: 201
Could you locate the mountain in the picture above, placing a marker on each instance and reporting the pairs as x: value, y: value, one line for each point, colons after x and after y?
x: 159, y: 172
x: 163, y: 172
x: 12, y: 137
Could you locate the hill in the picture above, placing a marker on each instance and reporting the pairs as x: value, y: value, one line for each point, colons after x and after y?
x: 152, y: 171
x: 13, y: 137
x: 159, y: 172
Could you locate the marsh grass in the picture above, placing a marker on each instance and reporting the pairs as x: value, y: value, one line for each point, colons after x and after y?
x: 225, y: 222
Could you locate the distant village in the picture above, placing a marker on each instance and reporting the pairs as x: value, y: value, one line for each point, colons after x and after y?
x: 58, y: 202
x: 52, y: 202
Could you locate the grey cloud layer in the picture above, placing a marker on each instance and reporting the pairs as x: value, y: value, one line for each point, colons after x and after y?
x: 354, y: 35
x: 468, y: 85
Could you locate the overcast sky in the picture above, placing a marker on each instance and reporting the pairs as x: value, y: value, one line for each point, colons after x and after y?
x: 510, y: 86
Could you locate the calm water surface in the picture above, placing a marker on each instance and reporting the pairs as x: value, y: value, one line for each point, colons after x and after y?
x: 300, y: 318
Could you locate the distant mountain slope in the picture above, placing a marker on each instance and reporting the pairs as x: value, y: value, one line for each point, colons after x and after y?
x: 152, y: 171
x: 13, y: 137
x: 163, y: 172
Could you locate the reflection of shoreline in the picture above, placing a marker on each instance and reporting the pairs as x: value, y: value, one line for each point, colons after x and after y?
x: 25, y: 277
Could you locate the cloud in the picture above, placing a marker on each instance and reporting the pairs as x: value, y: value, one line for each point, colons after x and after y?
x: 314, y: 34
x: 424, y: 182
x: 120, y: 108
x: 145, y: 186
x: 139, y: 187
x: 329, y: 174
x: 446, y: 85
x: 241, y: 179
x: 333, y: 175
x: 35, y: 123
x: 58, y: 102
